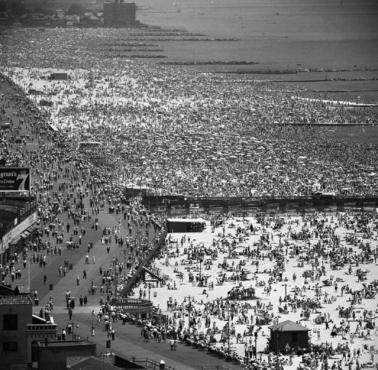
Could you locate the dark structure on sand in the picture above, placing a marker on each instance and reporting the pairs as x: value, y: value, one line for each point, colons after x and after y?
x: 287, y: 336
x: 117, y: 13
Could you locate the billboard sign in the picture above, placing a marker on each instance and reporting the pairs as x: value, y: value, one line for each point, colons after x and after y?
x: 14, y: 179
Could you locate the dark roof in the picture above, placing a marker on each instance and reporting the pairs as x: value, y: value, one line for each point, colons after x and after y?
x: 89, y: 363
x: 288, y: 325
x: 7, y: 290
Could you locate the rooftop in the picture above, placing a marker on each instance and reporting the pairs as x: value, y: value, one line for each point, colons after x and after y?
x: 191, y: 220
x: 89, y: 363
x: 288, y: 326
x: 15, y: 299
x: 68, y: 343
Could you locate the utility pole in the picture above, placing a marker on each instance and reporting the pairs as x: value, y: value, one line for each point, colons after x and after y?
x: 139, y: 238
x: 229, y: 327
x: 124, y: 264
x: 125, y: 258
x: 72, y: 329
x: 256, y: 334
x: 28, y: 261
x: 189, y: 309
x: 115, y: 280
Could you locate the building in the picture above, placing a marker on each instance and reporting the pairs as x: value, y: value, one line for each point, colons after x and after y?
x: 141, y: 308
x: 20, y: 329
x: 58, y: 76
x: 54, y: 354
x: 119, y: 14
x: 185, y: 225
x: 288, y: 335
x: 15, y: 313
x: 41, y: 330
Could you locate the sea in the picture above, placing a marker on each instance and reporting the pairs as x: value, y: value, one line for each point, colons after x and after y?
x: 287, y: 33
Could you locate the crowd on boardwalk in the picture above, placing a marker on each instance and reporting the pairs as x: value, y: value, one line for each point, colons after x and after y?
x: 70, y: 192
x: 179, y: 132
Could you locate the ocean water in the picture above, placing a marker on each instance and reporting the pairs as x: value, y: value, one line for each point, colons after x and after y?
x: 354, y: 134
x: 311, y: 33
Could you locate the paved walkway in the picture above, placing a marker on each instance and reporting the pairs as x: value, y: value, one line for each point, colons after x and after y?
x: 129, y: 343
x: 102, y: 259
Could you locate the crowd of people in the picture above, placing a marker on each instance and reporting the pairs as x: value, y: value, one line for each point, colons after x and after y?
x: 306, y: 269
x: 176, y: 131
x: 70, y: 192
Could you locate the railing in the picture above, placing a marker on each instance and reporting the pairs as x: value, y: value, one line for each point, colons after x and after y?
x: 180, y: 205
x: 137, y: 275
x: 132, y: 304
x: 40, y: 327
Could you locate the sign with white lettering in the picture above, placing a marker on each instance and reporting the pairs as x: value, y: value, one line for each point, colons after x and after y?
x: 14, y: 179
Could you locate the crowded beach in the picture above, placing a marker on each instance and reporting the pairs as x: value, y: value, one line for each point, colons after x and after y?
x: 248, y: 274
x: 178, y: 132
